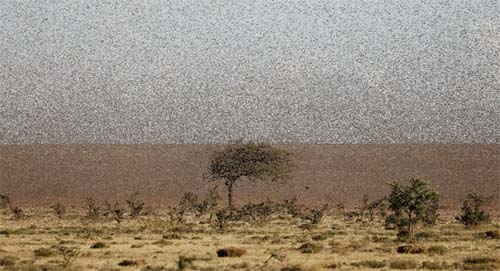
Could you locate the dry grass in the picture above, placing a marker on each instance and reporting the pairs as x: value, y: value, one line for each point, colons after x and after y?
x: 156, y: 243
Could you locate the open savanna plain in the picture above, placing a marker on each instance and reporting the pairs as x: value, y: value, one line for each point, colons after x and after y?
x: 342, y: 240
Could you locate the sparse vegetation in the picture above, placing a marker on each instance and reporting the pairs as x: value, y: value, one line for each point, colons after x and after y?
x: 115, y: 211
x: 93, y: 210
x: 314, y: 215
x: 287, y: 231
x: 473, y: 213
x: 17, y: 213
x: 69, y: 255
x: 59, y: 210
x: 135, y: 206
x: 239, y: 234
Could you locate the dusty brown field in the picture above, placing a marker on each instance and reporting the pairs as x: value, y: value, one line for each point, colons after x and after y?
x: 43, y: 174
x: 155, y: 243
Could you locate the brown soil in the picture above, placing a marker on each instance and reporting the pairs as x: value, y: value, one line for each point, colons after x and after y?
x: 43, y: 174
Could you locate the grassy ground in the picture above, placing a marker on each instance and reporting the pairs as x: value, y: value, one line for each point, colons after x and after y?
x: 43, y: 242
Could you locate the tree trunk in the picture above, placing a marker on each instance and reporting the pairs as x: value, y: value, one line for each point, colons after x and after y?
x: 410, y: 226
x: 230, y: 195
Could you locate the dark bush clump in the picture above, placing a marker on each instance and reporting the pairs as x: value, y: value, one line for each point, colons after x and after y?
x: 473, y: 213
x: 98, y: 245
x: 8, y: 261
x: 492, y: 234
x: 411, y: 249
x: 231, y: 252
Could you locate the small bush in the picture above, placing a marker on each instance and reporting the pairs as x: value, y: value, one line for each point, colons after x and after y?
x: 17, y: 213
x: 4, y: 201
x: 69, y: 255
x: 8, y: 261
x: 185, y: 263
x: 231, y: 252
x: 315, y: 215
x: 135, y: 206
x: 44, y: 252
x: 291, y: 207
x: 435, y: 265
x: 93, y: 210
x: 370, y: 264
x: 411, y: 249
x: 492, y: 234
x: 310, y: 248
x: 172, y: 235
x: 98, y: 245
x: 427, y: 235
x: 131, y: 263
x: 480, y: 263
x: 403, y: 264
x: 255, y: 213
x: 472, y: 210
x: 334, y: 265
x: 480, y: 260
x: 222, y: 218
x: 437, y: 250
x: 319, y: 237
x: 115, y: 211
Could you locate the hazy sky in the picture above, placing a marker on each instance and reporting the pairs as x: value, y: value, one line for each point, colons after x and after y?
x: 331, y: 71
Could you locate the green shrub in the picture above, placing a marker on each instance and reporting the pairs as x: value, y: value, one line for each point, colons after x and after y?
x: 472, y: 210
x: 4, y: 201
x: 412, y: 204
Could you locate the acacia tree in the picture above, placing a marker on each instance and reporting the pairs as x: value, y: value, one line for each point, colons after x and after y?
x: 251, y: 161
